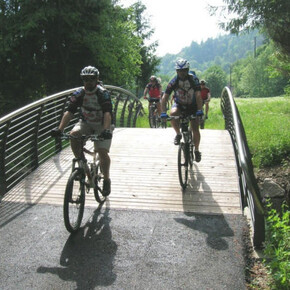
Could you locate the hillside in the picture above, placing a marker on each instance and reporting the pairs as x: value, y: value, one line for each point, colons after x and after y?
x: 223, y: 50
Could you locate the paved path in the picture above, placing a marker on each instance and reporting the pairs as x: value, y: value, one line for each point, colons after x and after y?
x: 137, y: 240
x: 121, y: 249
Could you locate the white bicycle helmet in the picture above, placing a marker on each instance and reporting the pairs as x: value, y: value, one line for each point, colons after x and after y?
x: 181, y: 64
x: 89, y: 71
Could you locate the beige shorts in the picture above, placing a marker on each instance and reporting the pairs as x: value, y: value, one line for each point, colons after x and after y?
x: 85, y: 128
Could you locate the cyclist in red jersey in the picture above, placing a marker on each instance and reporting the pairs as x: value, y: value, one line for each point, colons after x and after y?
x: 205, y: 95
x: 154, y: 90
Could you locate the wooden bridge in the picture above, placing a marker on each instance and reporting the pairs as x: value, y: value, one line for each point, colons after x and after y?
x: 34, y: 168
x: 147, y: 177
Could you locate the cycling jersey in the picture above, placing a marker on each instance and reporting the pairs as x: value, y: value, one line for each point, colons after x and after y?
x: 92, y: 104
x: 154, y: 91
x: 184, y: 90
x: 204, y: 91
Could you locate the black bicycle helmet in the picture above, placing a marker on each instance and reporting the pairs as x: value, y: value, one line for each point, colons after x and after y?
x: 89, y: 71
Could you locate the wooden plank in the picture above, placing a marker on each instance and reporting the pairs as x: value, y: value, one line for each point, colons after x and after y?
x: 144, y: 175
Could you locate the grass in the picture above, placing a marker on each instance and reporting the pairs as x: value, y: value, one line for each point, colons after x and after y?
x: 267, y: 125
x: 266, y: 122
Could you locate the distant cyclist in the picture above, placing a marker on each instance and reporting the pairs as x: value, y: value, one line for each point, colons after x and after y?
x: 154, y: 90
x: 205, y: 95
x: 95, y: 104
x: 187, y: 99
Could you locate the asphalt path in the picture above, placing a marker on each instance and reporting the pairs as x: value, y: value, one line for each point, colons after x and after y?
x: 120, y: 249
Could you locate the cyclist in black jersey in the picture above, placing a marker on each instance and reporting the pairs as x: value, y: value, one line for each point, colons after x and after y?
x: 187, y: 99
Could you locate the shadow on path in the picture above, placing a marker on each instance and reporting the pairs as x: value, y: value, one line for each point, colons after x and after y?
x: 214, y: 226
x: 88, y: 255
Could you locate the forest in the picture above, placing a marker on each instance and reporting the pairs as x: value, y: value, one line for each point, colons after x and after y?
x: 45, y: 43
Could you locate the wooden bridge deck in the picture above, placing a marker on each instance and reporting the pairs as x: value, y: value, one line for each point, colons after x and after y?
x: 144, y: 175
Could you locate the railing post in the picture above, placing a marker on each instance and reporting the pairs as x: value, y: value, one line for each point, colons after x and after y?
x: 122, y: 118
x: 3, y: 140
x: 35, y: 162
x: 58, y: 143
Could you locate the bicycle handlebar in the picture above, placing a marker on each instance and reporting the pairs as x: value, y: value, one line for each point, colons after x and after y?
x: 66, y: 136
x: 188, y: 118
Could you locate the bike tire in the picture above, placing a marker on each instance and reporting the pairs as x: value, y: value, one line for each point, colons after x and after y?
x: 163, y: 124
x: 151, y: 119
x: 182, y: 162
x: 202, y: 122
x: 190, y: 154
x: 74, y: 201
x: 99, y: 185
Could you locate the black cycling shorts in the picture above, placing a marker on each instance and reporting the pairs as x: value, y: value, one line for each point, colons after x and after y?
x: 154, y: 100
x: 187, y: 109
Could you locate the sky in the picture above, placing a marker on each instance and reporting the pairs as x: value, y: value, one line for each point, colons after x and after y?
x: 178, y: 23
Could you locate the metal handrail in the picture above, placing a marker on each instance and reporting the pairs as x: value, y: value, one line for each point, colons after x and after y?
x: 249, y: 191
x: 25, y: 140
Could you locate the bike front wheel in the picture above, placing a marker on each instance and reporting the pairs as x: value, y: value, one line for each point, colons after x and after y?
x: 182, y: 160
x: 99, y: 179
x: 74, y: 201
x: 202, y: 122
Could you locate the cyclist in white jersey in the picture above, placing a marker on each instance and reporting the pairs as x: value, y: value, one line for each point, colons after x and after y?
x: 95, y: 106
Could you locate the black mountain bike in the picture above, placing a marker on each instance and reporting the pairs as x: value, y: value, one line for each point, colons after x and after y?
x: 154, y: 119
x: 185, y: 155
x: 83, y: 174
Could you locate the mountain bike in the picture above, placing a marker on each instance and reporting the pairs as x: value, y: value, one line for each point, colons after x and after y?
x: 154, y: 118
x: 185, y: 155
x: 83, y: 174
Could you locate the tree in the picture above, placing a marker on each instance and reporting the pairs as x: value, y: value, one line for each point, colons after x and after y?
x: 258, y: 76
x: 216, y: 80
x: 273, y: 16
x: 45, y: 44
x: 149, y: 61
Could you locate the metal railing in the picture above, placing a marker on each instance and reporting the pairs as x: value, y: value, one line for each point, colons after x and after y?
x: 249, y: 191
x: 25, y: 140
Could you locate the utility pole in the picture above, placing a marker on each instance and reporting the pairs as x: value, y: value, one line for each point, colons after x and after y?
x: 255, y: 45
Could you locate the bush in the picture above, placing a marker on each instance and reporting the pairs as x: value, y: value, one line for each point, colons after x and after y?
x: 277, y: 246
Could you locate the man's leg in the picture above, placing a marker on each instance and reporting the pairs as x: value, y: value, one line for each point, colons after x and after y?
x: 206, y: 109
x: 196, y: 138
x: 175, y: 124
x: 105, y: 162
x: 76, y: 144
x: 158, y: 104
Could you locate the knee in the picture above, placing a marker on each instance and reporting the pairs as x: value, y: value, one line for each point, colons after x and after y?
x: 103, y: 153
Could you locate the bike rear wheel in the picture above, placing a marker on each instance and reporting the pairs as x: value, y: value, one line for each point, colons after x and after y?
x: 153, y: 118
x: 74, y: 201
x: 182, y: 162
x: 99, y: 185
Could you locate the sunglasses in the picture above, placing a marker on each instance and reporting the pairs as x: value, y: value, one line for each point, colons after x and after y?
x: 89, y: 78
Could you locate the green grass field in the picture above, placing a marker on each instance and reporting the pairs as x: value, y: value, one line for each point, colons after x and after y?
x: 266, y: 122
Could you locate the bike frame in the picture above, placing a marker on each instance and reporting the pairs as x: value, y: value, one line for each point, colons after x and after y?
x: 185, y: 148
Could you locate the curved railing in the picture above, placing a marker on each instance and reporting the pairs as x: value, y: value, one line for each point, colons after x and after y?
x: 25, y: 140
x: 249, y: 190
